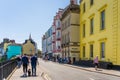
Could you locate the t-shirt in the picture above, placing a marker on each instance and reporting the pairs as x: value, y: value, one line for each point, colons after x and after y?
x: 33, y: 61
x: 25, y: 60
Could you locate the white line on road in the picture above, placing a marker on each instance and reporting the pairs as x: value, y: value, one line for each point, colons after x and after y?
x: 91, y: 79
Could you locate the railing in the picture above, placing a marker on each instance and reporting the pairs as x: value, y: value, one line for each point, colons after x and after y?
x: 6, y: 68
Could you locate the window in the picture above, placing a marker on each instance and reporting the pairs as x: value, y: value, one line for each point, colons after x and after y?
x: 102, y: 21
x: 65, y: 24
x: 59, y: 23
x: 83, y: 7
x: 69, y: 21
x: 91, y: 26
x: 102, y: 50
x: 83, y: 30
x: 83, y: 51
x: 58, y: 47
x: 91, y: 2
x: 58, y: 34
x: 91, y: 50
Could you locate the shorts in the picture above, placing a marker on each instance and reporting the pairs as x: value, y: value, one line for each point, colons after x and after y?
x: 96, y: 64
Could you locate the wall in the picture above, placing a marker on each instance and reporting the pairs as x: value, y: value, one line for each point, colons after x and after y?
x: 28, y: 48
x: 108, y: 35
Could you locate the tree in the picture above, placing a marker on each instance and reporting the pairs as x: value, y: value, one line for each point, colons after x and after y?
x: 39, y: 53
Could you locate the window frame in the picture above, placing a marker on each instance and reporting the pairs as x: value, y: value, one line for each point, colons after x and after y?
x: 102, y: 50
x: 102, y: 20
x: 83, y: 30
x: 91, y: 50
x: 91, y: 2
x: 84, y: 8
x: 91, y: 25
x: 83, y: 51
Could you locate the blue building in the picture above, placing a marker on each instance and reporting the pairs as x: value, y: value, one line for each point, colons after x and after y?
x: 13, y: 50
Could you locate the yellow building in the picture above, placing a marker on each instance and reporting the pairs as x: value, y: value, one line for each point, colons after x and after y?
x: 29, y: 47
x: 70, y: 32
x: 100, y: 30
x: 7, y: 42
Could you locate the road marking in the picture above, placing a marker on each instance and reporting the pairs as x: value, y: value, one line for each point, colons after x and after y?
x: 91, y: 79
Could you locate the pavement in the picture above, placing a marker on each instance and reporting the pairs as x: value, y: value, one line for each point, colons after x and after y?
x: 43, y: 74
x: 58, y: 71
x: 92, y: 69
x: 17, y: 74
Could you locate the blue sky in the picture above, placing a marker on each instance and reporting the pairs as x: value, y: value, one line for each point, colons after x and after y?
x: 19, y: 18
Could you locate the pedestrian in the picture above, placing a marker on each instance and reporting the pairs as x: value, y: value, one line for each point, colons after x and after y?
x: 96, y: 62
x: 18, y: 61
x: 25, y: 63
x: 34, y: 61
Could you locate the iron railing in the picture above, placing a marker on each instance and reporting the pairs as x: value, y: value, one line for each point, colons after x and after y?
x: 6, y: 68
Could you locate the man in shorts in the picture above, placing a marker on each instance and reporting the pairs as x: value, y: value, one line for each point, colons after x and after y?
x: 25, y: 63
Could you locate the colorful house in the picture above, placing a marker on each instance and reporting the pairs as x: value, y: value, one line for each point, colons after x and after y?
x: 70, y: 32
x: 29, y: 47
x: 100, y: 31
x: 13, y: 50
x: 57, y: 34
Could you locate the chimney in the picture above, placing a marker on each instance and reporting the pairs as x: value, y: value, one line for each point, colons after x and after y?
x: 6, y: 40
x: 12, y: 41
x: 73, y: 1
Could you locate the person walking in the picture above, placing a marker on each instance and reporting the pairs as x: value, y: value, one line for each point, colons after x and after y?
x: 18, y: 61
x: 25, y: 63
x: 34, y: 61
x: 96, y: 62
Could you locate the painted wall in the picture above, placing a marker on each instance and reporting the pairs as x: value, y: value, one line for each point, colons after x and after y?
x: 29, y: 48
x: 13, y: 50
x: 110, y: 35
x: 118, y: 57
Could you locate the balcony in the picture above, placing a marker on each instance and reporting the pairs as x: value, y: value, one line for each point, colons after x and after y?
x: 58, y: 38
x: 58, y: 28
x: 53, y: 32
x: 53, y: 41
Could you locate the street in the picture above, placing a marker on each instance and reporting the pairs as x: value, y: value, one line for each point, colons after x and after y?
x: 58, y: 71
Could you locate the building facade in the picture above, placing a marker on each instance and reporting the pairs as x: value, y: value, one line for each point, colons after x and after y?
x: 44, y: 49
x: 4, y: 45
x: 13, y: 50
x: 100, y: 31
x: 70, y: 32
x: 54, y: 36
x: 49, y: 42
x: 29, y: 47
x: 57, y: 33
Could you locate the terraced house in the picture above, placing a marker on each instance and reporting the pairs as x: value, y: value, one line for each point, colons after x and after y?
x: 70, y: 32
x: 100, y: 30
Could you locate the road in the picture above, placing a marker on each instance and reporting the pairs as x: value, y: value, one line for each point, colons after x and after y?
x: 58, y: 71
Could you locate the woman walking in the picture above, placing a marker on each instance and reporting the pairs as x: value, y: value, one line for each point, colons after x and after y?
x: 96, y: 62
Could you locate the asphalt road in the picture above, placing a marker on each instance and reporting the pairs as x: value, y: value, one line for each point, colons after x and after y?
x: 58, y: 71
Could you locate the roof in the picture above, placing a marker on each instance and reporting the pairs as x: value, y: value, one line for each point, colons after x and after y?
x: 74, y: 8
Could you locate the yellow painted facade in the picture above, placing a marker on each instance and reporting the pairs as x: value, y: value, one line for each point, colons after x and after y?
x: 109, y: 37
x: 29, y: 48
x: 6, y: 45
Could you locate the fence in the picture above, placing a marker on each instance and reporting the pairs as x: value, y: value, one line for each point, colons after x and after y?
x: 6, y: 68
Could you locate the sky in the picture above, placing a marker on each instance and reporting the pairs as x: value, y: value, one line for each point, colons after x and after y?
x: 20, y: 18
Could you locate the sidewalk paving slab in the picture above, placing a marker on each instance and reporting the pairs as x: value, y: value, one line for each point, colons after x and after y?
x: 92, y: 69
x: 17, y: 75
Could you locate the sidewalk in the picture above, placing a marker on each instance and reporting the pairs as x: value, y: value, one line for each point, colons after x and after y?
x: 92, y: 69
x: 17, y: 75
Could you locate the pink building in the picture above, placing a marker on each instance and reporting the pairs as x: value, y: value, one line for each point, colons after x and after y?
x: 57, y: 34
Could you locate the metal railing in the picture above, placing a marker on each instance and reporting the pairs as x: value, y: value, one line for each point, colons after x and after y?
x: 6, y: 68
